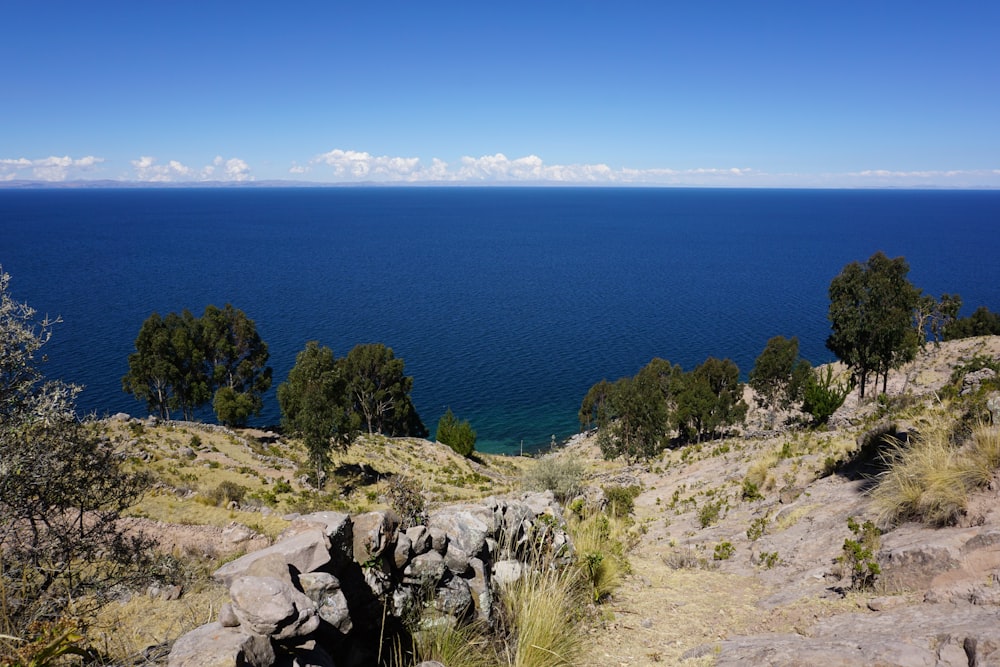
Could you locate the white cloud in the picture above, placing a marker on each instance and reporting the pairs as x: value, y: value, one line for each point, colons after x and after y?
x: 52, y: 168
x: 148, y: 169
x: 350, y: 165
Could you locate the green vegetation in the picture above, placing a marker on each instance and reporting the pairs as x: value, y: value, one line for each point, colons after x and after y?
x: 982, y: 322
x: 779, y: 376
x: 859, y: 552
x: 561, y: 475
x: 459, y: 435
x: 822, y: 395
x: 181, y: 362
x: 871, y: 311
x: 62, y: 491
x: 723, y: 551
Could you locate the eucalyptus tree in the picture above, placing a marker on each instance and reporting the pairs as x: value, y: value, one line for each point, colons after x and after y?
x: 316, y: 405
x: 237, y: 358
x: 380, y: 391
x: 779, y: 376
x: 871, y: 312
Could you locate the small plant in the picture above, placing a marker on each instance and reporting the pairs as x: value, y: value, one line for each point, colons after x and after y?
x: 282, y: 486
x: 723, y: 551
x: 757, y: 528
x: 621, y: 499
x: 823, y: 396
x: 859, y: 554
x: 562, y: 476
x: 709, y: 513
x: 751, y: 492
x: 194, y: 442
x: 768, y: 559
x: 225, y: 493
x: 405, y: 498
x: 457, y: 434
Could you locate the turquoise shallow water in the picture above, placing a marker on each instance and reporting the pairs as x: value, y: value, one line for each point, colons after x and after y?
x: 506, y: 303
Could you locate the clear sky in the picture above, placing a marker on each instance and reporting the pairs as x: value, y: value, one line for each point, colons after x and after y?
x: 880, y: 93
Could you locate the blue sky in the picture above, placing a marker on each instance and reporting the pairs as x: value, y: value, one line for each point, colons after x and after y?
x: 786, y: 94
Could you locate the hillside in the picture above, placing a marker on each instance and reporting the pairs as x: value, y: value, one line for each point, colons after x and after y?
x: 718, y: 575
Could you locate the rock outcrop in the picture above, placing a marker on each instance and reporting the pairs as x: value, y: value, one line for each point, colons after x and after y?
x: 336, y: 585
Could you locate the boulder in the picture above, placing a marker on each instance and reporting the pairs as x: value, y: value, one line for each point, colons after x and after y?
x: 420, y: 539
x: 337, y: 526
x: 506, y: 572
x: 401, y: 554
x: 467, y: 526
x: 306, y: 552
x: 213, y: 645
x: 455, y: 598
x: 272, y: 607
x: 425, y: 570
x: 373, y: 532
x: 331, y: 604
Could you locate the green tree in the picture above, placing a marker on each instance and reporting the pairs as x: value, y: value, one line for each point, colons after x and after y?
x: 166, y: 370
x: 637, y: 422
x: 710, y: 399
x: 595, y: 405
x: 62, y: 490
x: 316, y: 405
x: 380, y: 391
x: 237, y: 357
x: 457, y: 434
x: 982, y: 322
x: 871, y: 309
x: 779, y: 375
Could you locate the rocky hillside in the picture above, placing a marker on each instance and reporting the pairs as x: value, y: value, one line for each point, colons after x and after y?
x: 729, y: 574
x: 737, y: 548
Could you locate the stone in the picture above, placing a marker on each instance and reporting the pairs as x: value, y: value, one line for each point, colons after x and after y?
x: 455, y: 598
x: 420, y: 539
x: 993, y: 405
x: 506, y: 572
x: 337, y: 526
x: 424, y: 570
x: 236, y: 533
x: 467, y: 526
x: 455, y: 559
x: 272, y: 607
x: 401, y: 553
x: 305, y: 552
x: 373, y: 532
x: 227, y: 617
x: 213, y: 645
x: 324, y: 590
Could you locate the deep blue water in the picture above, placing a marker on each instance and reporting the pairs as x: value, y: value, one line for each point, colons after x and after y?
x: 507, y: 304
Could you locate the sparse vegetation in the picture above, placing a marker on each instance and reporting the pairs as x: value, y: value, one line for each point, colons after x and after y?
x: 559, y: 474
x: 859, y: 554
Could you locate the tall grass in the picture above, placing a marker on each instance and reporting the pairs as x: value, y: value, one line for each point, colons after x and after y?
x: 930, y: 479
x: 542, y: 610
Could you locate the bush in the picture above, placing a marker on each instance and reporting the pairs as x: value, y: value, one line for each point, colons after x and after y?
x: 226, y: 492
x: 405, y: 498
x: 859, y: 554
x: 709, y: 513
x: 723, y: 551
x: 621, y: 499
x: 562, y: 476
x: 823, y: 396
x: 458, y: 435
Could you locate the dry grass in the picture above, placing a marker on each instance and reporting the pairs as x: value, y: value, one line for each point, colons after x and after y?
x: 543, y: 610
x: 930, y: 480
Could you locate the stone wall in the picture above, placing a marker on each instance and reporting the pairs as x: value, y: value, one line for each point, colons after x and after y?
x: 334, y: 588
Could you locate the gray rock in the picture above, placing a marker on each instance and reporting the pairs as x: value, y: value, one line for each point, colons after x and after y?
x: 373, y: 532
x: 331, y: 604
x: 455, y: 598
x: 337, y: 526
x: 456, y: 560
x: 402, y: 551
x: 305, y: 552
x: 439, y: 539
x: 227, y: 617
x: 236, y: 533
x: 467, y: 526
x: 272, y: 607
x: 993, y: 405
x: 425, y: 570
x: 420, y: 539
x: 213, y: 645
x: 507, y: 572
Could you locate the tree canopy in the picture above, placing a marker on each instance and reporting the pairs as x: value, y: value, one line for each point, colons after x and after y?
x: 62, y: 490
x: 710, y: 399
x: 871, y: 312
x: 457, y: 434
x: 181, y: 362
x: 380, y: 391
x: 779, y: 376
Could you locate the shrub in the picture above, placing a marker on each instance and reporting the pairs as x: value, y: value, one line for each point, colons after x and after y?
x: 541, y: 612
x: 750, y: 491
x: 621, y: 499
x: 823, y: 396
x: 225, y: 493
x: 709, y: 513
x: 458, y: 435
x: 858, y: 555
x: 723, y: 551
x: 562, y: 476
x: 405, y: 498
x: 757, y: 528
x: 768, y: 559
